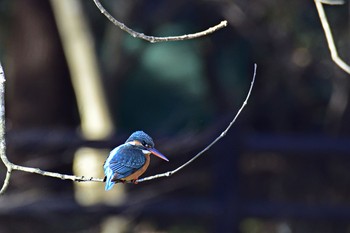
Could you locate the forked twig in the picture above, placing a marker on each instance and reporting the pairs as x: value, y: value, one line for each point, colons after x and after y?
x: 154, y: 39
x: 11, y: 166
x: 328, y: 33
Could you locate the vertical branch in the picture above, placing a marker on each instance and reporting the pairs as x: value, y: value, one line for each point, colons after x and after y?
x: 96, y: 120
x: 78, y: 46
x: 2, y: 132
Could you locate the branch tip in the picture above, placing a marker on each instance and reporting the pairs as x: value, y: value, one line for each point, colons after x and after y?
x: 169, y: 173
x: 328, y: 33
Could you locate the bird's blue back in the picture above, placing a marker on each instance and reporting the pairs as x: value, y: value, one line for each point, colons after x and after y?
x: 122, y: 161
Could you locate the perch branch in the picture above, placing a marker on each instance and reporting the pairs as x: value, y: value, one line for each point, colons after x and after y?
x: 328, y: 34
x: 11, y: 166
x: 154, y: 39
x: 55, y: 175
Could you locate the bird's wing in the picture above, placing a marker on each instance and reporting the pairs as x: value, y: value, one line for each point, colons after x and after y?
x: 123, y: 164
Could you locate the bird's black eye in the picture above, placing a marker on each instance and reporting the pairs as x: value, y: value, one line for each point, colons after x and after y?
x: 145, y: 144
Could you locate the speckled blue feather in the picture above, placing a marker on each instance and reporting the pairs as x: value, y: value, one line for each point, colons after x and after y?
x: 125, y: 159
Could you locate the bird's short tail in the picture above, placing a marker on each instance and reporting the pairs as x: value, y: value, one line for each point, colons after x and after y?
x: 109, y: 177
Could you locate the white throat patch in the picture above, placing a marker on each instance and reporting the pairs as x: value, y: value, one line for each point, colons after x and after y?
x: 146, y: 152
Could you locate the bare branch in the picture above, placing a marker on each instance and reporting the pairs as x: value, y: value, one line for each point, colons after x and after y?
x: 329, y: 36
x: 154, y: 39
x: 55, y: 175
x: 10, y: 166
x: 169, y: 173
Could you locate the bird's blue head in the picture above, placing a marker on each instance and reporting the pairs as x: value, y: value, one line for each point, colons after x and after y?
x: 141, y: 137
x: 144, y: 142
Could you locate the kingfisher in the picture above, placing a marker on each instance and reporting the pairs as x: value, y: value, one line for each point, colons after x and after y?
x: 130, y: 160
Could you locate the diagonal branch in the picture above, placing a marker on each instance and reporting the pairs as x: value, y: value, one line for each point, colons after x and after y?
x: 11, y: 166
x: 154, y: 39
x: 328, y: 34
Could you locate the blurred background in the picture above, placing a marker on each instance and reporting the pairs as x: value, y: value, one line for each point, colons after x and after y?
x: 77, y: 86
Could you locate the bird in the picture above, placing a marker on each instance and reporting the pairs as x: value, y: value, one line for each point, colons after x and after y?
x: 130, y: 160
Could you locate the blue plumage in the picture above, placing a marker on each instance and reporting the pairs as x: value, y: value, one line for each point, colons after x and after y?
x: 129, y: 160
x: 122, y: 162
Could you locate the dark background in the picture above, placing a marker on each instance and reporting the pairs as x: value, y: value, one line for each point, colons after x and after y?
x: 284, y: 166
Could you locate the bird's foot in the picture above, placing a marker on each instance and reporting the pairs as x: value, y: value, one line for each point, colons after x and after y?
x: 134, y: 181
x: 119, y: 181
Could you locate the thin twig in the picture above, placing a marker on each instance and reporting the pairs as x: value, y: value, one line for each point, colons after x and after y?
x: 329, y: 36
x: 169, y: 173
x: 154, y: 39
x: 55, y: 175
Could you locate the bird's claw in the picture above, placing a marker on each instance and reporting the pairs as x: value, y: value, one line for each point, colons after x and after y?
x: 134, y: 181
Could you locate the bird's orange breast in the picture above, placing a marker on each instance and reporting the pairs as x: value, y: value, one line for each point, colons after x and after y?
x: 139, y: 172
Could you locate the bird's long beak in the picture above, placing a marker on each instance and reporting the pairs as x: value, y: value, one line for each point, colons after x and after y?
x: 157, y: 153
